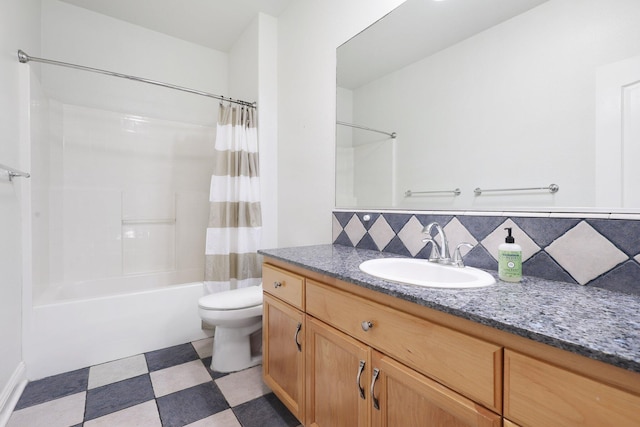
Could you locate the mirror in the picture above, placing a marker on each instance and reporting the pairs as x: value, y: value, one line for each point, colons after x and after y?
x: 500, y: 99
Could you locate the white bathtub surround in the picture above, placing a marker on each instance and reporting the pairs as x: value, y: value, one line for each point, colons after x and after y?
x: 235, y: 220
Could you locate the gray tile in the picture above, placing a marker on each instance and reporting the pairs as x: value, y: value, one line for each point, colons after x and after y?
x: 343, y: 217
x: 343, y: 240
x: 480, y: 226
x: 191, y: 405
x: 543, y: 266
x: 265, y: 411
x: 53, y: 387
x: 214, y: 374
x: 366, y: 242
x: 543, y: 231
x: 397, y: 221
x: 171, y: 356
x: 117, y: 396
x: 624, y: 278
x: 625, y: 234
x: 479, y: 257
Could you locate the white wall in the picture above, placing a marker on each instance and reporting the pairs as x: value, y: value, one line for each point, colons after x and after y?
x: 253, y: 77
x: 308, y: 34
x: 19, y: 29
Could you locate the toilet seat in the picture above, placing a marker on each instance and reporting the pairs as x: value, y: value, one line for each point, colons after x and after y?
x: 234, y: 299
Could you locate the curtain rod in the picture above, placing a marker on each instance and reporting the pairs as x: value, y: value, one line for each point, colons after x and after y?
x: 391, y: 134
x: 24, y: 58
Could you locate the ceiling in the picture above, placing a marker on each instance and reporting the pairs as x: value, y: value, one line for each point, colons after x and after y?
x: 216, y: 24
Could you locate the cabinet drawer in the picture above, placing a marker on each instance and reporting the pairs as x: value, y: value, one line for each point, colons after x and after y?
x: 287, y: 286
x: 468, y: 365
x: 538, y: 393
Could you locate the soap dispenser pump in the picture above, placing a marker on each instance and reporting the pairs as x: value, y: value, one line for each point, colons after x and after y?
x: 510, y: 259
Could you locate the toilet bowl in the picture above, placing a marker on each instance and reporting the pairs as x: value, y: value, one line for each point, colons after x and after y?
x: 236, y: 314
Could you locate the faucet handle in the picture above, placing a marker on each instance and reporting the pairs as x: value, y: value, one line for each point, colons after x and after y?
x: 457, y: 256
x: 435, y: 252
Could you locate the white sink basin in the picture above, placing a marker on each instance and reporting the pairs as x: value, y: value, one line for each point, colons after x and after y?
x: 424, y: 273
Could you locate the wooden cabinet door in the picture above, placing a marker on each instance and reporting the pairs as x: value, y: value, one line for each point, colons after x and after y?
x: 337, y: 378
x: 540, y: 394
x: 409, y: 399
x: 283, y: 354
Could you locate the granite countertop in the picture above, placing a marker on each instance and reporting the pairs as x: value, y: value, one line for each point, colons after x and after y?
x: 589, y: 321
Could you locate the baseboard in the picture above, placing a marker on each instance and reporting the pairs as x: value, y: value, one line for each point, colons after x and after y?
x: 12, y: 392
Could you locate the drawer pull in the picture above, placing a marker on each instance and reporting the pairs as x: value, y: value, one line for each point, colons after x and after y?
x: 376, y: 402
x: 366, y: 325
x: 277, y: 284
x: 295, y: 337
x: 360, y: 369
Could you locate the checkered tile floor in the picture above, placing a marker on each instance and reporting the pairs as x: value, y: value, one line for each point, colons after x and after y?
x: 171, y: 387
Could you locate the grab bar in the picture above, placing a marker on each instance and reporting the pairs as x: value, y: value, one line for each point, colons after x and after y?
x: 410, y: 193
x: 14, y: 172
x: 553, y: 188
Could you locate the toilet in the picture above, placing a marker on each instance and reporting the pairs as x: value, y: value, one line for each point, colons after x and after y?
x: 236, y: 314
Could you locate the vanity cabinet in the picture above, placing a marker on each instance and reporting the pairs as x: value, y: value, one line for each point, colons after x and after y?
x: 339, y: 354
x: 283, y: 361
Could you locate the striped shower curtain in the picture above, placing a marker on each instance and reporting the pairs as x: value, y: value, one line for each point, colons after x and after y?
x: 235, y: 222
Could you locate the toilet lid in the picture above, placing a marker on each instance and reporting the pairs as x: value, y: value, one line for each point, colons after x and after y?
x: 233, y: 299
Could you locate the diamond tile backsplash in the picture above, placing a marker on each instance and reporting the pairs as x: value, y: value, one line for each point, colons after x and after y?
x: 594, y: 252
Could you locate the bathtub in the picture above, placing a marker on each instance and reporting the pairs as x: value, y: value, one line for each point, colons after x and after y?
x: 85, y: 324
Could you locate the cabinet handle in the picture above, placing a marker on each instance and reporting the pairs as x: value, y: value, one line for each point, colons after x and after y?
x: 376, y: 402
x: 277, y: 284
x: 366, y: 325
x: 295, y: 337
x: 360, y: 388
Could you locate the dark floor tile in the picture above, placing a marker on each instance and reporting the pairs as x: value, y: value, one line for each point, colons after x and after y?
x: 214, y: 374
x: 190, y: 405
x: 265, y: 411
x: 54, y: 387
x: 171, y: 356
x: 117, y: 396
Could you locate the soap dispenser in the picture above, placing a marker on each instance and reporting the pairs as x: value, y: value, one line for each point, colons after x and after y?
x: 509, y: 259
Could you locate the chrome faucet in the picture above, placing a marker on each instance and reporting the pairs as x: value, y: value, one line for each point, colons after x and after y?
x: 439, y: 253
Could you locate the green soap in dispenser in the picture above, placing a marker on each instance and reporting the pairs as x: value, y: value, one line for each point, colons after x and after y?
x: 510, y: 259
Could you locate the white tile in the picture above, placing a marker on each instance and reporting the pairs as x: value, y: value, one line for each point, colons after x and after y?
x: 145, y: 414
x: 411, y: 235
x: 355, y: 230
x: 585, y: 253
x: 221, y: 419
x: 457, y: 233
x: 243, y: 386
x: 117, y: 370
x: 63, y: 412
x: 204, y: 347
x: 336, y: 228
x: 179, y: 377
x: 497, y: 237
x: 381, y: 233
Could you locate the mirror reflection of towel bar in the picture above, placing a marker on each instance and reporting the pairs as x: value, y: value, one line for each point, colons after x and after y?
x: 553, y: 188
x: 410, y: 193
